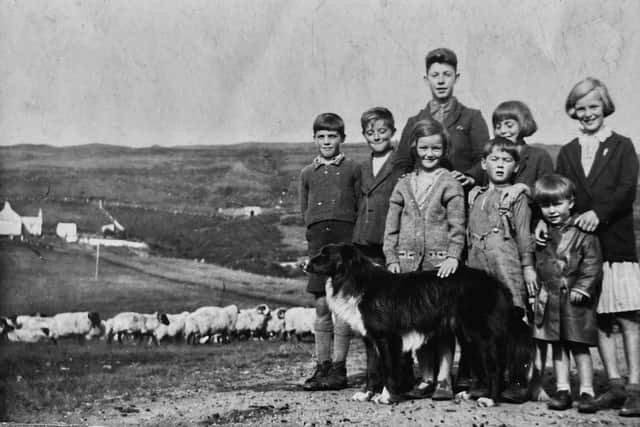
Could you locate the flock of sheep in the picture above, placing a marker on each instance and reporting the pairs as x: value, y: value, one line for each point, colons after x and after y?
x: 206, y: 324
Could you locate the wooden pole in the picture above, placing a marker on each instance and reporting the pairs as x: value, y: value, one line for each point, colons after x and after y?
x: 97, y: 260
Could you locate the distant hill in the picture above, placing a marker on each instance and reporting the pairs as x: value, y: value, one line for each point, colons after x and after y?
x: 201, y: 178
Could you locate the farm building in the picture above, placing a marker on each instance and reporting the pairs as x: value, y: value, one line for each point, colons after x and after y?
x: 10, y: 223
x: 243, y: 211
x: 67, y: 231
x: 33, y: 224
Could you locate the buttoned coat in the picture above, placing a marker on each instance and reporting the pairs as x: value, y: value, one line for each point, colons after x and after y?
x: 467, y: 130
x: 374, y: 200
x: 330, y: 192
x: 609, y: 189
x: 417, y: 236
x: 570, y: 260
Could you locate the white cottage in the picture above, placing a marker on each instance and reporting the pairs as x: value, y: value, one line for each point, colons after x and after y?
x: 33, y: 224
x: 10, y: 223
x: 67, y: 231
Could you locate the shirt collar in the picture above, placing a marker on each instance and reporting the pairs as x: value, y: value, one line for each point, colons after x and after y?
x: 600, y: 136
x: 446, y: 107
x: 319, y: 161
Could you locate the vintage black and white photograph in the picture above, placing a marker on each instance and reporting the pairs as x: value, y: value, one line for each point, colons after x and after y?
x: 319, y: 213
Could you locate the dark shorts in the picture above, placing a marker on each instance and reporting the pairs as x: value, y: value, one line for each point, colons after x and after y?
x: 320, y: 234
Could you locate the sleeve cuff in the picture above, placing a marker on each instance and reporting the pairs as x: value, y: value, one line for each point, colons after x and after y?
x: 586, y: 294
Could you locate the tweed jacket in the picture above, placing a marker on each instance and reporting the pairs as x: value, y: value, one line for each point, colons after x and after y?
x: 609, y: 189
x: 330, y: 192
x: 374, y: 201
x: 430, y: 233
x: 570, y: 260
x: 468, y: 133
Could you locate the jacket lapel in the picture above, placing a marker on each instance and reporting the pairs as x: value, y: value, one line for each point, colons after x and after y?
x: 367, y: 175
x: 383, y: 173
x: 574, y: 156
x: 603, y: 154
x: 454, y: 114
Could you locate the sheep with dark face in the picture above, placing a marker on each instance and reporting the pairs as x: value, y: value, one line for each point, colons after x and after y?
x: 134, y: 324
x: 210, y: 321
x: 275, y: 323
x: 252, y: 322
x: 174, y: 330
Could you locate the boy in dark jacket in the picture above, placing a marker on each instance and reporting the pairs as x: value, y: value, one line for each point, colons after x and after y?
x: 467, y: 129
x: 329, y: 196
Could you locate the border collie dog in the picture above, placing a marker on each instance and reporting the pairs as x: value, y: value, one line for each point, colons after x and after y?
x: 396, y: 313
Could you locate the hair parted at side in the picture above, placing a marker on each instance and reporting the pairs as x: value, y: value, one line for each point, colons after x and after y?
x: 377, y: 113
x: 582, y: 88
x: 553, y: 188
x: 428, y: 127
x: 329, y: 121
x: 441, y: 55
x: 518, y: 111
x: 500, y: 143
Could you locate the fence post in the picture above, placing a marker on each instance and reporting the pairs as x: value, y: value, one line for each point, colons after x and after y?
x: 97, y: 260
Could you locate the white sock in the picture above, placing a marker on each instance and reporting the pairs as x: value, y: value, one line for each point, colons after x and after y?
x: 563, y: 387
x: 588, y: 390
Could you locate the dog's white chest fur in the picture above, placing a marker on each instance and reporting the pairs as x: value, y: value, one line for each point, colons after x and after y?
x: 413, y: 340
x: 346, y: 308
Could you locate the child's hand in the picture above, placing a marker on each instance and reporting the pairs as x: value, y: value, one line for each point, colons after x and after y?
x: 448, y: 267
x: 541, y: 233
x: 530, y: 280
x: 510, y: 194
x: 588, y: 221
x: 394, y: 267
x: 577, y: 297
x: 464, y: 180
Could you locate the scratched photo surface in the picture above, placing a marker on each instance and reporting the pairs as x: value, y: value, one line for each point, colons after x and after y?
x: 150, y: 156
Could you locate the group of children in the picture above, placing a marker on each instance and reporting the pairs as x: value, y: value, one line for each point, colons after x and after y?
x: 562, y: 242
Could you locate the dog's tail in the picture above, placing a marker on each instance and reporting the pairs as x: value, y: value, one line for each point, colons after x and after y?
x: 520, y: 347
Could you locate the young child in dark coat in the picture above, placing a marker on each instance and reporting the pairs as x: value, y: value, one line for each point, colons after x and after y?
x: 329, y: 197
x: 569, y: 269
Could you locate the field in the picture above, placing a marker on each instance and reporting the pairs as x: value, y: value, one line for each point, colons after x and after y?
x: 251, y: 382
x: 169, y: 198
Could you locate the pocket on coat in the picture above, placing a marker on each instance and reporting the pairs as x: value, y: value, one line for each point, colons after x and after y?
x: 541, y: 305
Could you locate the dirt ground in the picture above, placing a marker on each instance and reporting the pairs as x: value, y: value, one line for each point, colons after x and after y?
x: 265, y: 391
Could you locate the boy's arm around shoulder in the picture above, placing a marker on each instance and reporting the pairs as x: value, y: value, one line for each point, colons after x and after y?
x: 392, y: 224
x: 589, y: 279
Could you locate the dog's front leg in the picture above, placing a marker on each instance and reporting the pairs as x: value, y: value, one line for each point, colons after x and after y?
x: 390, y: 351
x: 373, y: 382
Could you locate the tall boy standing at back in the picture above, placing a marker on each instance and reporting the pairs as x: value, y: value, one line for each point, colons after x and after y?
x: 467, y: 129
x: 329, y: 196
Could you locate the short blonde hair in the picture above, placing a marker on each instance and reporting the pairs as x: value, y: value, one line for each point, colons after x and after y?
x: 581, y: 89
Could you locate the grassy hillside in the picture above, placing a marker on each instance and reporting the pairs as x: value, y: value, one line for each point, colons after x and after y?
x: 63, y: 280
x: 196, y: 178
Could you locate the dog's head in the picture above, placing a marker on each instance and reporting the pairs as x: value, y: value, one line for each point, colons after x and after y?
x: 334, y: 260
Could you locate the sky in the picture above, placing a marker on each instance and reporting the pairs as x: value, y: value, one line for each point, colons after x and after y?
x: 205, y: 72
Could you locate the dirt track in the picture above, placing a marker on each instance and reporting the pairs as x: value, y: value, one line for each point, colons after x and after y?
x: 273, y: 397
